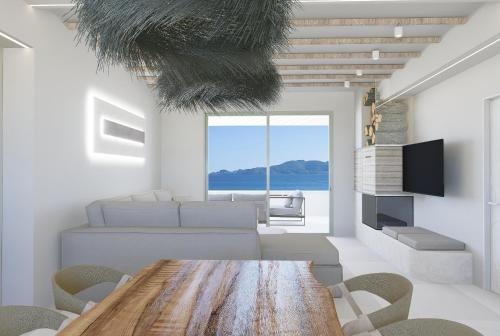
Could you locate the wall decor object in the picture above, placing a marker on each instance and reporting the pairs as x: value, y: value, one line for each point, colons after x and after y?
x: 178, y: 38
x: 375, y: 120
x: 117, y: 131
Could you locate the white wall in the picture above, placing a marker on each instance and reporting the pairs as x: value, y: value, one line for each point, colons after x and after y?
x: 1, y: 165
x: 454, y: 110
x: 48, y: 172
x: 183, y: 149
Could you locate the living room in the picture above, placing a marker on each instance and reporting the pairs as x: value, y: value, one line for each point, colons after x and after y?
x: 82, y: 132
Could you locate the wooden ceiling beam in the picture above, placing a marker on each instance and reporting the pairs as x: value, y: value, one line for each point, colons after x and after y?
x: 340, y: 67
x: 345, y: 77
x: 364, y: 40
x: 394, y: 21
x: 346, y: 55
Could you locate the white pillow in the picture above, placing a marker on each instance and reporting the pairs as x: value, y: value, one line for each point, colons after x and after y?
x: 163, y: 195
x: 146, y: 197
x: 288, y: 201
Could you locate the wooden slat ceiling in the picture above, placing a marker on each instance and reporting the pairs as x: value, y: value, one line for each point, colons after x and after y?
x: 333, y: 60
x: 332, y: 42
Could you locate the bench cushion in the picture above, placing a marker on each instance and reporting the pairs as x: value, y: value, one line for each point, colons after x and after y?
x: 297, y: 246
x: 431, y: 241
x: 394, y: 231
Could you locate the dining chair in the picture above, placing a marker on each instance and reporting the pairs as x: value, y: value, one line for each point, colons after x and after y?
x: 72, y: 280
x: 394, y: 288
x: 17, y: 320
x: 425, y: 326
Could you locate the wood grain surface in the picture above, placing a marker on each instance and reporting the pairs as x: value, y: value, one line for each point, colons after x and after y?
x: 173, y: 297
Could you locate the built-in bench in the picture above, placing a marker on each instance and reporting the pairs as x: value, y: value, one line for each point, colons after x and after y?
x: 422, y: 239
x: 421, y: 253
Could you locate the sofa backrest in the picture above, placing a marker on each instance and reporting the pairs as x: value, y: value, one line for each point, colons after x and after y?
x: 95, y: 213
x: 220, y: 197
x: 234, y: 215
x: 144, y: 214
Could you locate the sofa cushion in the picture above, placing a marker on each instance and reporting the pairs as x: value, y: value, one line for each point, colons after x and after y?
x: 299, y: 246
x: 141, y: 214
x: 146, y: 197
x: 298, y: 199
x: 163, y: 195
x: 220, y: 197
x: 260, y: 201
x: 394, y: 231
x: 219, y: 214
x: 94, y: 210
x: 431, y: 241
x: 284, y: 212
x: 249, y: 197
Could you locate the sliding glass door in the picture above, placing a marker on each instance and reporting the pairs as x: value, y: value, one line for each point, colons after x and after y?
x: 281, y: 162
x: 299, y: 167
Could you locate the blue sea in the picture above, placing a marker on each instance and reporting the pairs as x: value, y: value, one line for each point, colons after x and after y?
x: 278, y: 182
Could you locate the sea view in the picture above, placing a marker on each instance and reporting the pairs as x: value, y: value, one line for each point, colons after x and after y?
x: 290, y: 175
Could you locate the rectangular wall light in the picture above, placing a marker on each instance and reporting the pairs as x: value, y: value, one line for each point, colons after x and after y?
x: 117, y: 130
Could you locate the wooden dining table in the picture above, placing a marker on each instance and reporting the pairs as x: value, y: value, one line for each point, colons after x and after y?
x: 208, y: 297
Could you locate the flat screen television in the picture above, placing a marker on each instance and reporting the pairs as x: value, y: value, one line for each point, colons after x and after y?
x: 423, y: 168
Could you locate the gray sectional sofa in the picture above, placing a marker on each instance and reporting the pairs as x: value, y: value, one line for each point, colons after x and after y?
x: 128, y: 233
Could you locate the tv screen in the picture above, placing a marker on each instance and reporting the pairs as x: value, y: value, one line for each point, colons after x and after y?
x: 423, y: 168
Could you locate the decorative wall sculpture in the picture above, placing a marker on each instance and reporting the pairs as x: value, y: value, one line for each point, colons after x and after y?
x: 194, y: 45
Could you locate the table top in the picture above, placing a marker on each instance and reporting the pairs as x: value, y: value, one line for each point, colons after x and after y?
x: 203, y: 297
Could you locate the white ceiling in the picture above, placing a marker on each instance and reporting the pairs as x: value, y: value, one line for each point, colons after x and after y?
x: 5, y: 43
x: 345, y: 9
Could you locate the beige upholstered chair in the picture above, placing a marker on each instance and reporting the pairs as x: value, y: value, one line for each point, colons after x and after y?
x: 427, y: 327
x: 394, y: 288
x: 17, y: 320
x: 72, y: 280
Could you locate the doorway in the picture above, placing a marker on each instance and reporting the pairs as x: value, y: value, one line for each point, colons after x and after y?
x: 493, y: 191
x: 280, y: 161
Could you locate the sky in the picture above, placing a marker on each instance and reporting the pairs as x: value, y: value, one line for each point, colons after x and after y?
x: 243, y: 147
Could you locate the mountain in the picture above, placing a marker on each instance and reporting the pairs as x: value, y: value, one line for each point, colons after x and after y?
x: 290, y: 175
x: 297, y: 167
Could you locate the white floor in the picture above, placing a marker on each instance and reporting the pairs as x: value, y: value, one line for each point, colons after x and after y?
x: 466, y: 304
x: 314, y: 224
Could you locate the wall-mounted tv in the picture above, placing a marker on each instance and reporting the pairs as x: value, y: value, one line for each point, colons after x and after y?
x: 423, y: 168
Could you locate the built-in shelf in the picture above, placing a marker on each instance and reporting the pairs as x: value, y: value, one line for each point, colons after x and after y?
x: 379, y: 170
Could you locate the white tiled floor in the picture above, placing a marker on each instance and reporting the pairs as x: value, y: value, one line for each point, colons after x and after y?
x: 462, y: 303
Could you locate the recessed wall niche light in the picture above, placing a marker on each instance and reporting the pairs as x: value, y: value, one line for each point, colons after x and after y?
x: 53, y: 6
x: 359, y: 72
x: 347, y: 84
x: 13, y: 40
x: 376, y: 55
x: 398, y: 31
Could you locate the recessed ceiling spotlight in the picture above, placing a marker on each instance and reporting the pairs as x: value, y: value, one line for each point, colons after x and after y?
x: 376, y: 55
x: 347, y: 84
x: 359, y: 72
x: 398, y: 31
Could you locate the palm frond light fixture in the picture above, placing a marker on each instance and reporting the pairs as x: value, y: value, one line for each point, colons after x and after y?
x: 190, y: 43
